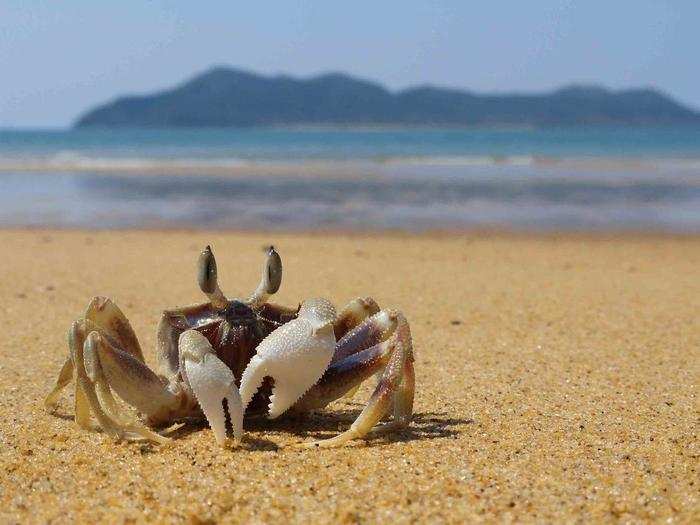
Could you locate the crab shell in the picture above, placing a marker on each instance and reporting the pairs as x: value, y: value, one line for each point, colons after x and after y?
x: 234, y: 334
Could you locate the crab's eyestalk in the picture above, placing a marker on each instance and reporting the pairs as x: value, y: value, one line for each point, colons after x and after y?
x: 271, y: 278
x: 272, y: 275
x: 207, y: 279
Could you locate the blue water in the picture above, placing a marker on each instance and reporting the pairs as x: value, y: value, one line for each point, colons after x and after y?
x: 282, y: 144
x: 523, y: 179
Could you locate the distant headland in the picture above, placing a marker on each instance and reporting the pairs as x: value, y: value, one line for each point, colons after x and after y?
x: 228, y: 97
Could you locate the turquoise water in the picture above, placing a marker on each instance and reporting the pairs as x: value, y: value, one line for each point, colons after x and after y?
x: 517, y: 179
x: 281, y: 145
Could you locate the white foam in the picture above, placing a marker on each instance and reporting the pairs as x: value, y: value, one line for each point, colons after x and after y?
x: 463, y: 160
x: 68, y: 160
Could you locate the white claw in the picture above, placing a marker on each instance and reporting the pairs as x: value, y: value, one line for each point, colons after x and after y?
x: 212, y: 382
x: 295, y: 355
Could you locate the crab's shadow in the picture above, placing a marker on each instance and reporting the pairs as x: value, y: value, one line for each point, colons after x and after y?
x: 60, y: 415
x: 327, y: 424
x: 324, y: 425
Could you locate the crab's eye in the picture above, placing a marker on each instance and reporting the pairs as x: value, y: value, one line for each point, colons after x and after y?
x: 274, y: 270
x: 206, y: 271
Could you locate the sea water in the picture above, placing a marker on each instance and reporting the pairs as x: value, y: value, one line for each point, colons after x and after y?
x: 590, y: 178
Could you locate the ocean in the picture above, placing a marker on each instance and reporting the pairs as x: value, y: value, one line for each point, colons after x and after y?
x: 556, y: 179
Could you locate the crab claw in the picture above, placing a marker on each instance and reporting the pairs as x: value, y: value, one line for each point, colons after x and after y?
x: 295, y: 355
x: 213, y: 385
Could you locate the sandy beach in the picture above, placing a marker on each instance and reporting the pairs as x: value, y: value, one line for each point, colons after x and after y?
x: 556, y: 382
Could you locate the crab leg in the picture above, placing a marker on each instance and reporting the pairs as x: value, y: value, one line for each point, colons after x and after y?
x: 395, y: 387
x: 132, y: 380
x: 90, y: 381
x: 370, y: 332
x: 101, y: 367
x: 83, y: 387
x: 76, y: 338
x: 106, y: 315
x: 213, y: 384
x: 353, y: 314
x: 64, y: 378
x: 104, y: 354
x: 353, y: 334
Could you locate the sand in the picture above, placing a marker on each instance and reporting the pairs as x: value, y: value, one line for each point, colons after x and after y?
x: 556, y: 381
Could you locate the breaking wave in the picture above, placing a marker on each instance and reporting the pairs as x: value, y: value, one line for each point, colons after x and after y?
x: 72, y: 161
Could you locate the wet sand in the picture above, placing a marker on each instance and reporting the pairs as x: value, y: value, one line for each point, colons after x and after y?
x: 556, y: 381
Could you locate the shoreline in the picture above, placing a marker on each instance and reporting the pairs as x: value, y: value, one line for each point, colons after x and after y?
x: 412, y: 199
x: 503, y: 234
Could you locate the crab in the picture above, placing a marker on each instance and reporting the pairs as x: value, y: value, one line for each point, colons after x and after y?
x: 224, y: 359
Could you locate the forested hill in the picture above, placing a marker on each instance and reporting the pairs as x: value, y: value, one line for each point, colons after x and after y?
x: 231, y: 97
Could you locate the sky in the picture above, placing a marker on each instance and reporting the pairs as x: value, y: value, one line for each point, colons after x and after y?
x: 57, y: 59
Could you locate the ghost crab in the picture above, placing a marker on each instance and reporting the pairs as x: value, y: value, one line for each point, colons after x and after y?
x: 224, y: 359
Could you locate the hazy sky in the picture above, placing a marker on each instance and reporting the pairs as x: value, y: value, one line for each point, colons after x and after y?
x: 59, y: 58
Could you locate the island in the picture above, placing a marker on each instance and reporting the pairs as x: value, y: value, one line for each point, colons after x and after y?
x: 229, y: 97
